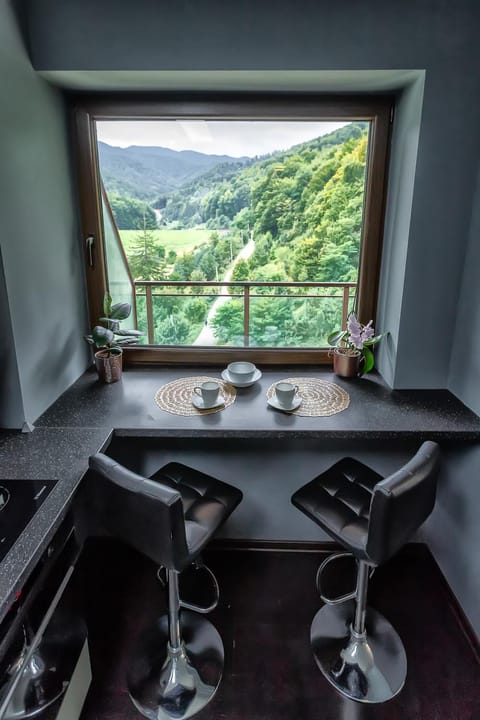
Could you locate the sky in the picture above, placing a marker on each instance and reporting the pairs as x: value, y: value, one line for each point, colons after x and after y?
x: 214, y: 137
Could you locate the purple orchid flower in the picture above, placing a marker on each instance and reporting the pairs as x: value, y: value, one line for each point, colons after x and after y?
x: 368, y: 331
x: 358, y: 333
x: 354, y: 332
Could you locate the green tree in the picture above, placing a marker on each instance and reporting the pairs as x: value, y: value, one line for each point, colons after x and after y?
x: 228, y: 323
x: 271, y: 321
x: 262, y: 252
x: 198, y: 276
x: 196, y: 310
x: 130, y: 213
x: 183, y: 268
x: 243, y: 220
x: 305, y: 259
x: 145, y: 260
x: 241, y: 271
x: 174, y: 330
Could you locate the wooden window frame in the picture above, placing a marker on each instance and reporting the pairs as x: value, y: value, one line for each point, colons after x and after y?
x: 88, y: 109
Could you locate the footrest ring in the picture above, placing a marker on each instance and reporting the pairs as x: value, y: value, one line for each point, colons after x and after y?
x: 318, y: 580
x: 216, y: 593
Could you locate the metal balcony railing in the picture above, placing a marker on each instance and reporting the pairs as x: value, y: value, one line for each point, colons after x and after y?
x: 221, y: 291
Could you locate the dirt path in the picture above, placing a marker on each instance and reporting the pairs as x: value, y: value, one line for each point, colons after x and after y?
x: 206, y: 336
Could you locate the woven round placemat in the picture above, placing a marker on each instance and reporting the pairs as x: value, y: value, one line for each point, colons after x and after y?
x: 176, y: 397
x: 319, y: 397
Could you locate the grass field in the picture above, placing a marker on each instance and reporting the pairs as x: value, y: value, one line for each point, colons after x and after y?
x: 180, y: 241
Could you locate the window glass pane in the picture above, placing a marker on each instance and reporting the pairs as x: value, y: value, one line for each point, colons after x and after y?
x: 120, y: 284
x: 207, y: 203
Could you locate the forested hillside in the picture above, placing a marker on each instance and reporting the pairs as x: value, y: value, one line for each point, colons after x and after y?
x: 303, y: 206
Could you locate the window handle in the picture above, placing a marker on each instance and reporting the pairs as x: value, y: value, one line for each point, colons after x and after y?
x: 89, y: 243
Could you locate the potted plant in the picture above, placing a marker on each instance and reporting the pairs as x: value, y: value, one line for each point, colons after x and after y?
x: 110, y: 339
x: 352, y: 354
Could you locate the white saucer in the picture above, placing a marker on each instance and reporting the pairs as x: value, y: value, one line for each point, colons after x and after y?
x: 273, y: 402
x: 200, y: 405
x: 256, y: 376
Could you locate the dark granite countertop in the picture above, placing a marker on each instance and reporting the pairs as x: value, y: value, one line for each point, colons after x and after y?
x: 46, y: 453
x: 81, y: 421
x: 375, y: 411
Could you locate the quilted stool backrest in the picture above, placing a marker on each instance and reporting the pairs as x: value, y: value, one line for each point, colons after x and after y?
x: 401, y: 503
x: 143, y: 513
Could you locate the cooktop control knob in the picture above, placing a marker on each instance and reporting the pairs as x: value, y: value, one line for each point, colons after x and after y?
x: 4, y: 497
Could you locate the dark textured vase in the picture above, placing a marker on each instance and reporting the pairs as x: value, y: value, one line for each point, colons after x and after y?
x: 109, y: 365
x: 346, y: 364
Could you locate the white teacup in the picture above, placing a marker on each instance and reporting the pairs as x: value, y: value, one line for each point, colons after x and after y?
x: 208, y: 391
x: 241, y: 371
x: 285, y: 393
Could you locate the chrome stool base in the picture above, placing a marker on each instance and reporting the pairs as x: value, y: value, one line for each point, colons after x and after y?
x: 167, y: 684
x: 369, y: 667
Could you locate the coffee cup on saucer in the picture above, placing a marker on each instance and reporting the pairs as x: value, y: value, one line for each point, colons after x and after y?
x: 285, y: 393
x: 241, y: 372
x: 208, y: 392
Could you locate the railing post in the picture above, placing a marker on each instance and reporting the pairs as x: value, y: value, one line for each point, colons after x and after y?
x: 346, y: 297
x: 148, y: 302
x: 246, y: 315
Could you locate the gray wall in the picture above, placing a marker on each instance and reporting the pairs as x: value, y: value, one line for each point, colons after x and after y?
x: 404, y: 151
x: 44, y: 287
x: 464, y: 378
x: 453, y: 531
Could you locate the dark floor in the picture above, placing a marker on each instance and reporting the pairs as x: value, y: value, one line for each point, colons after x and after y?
x: 268, y: 600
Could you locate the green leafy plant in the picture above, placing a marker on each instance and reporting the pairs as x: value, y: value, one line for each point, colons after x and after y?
x: 111, y: 337
x: 357, y: 339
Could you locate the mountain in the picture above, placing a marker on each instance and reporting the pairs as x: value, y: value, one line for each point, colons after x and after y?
x: 216, y: 196
x: 147, y: 172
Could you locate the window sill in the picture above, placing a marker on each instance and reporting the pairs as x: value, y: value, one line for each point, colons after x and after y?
x: 168, y: 355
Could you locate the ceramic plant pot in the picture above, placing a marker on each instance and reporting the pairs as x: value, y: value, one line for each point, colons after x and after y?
x: 346, y: 363
x: 109, y: 365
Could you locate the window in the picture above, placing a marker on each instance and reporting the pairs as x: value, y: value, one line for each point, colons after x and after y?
x: 243, y: 226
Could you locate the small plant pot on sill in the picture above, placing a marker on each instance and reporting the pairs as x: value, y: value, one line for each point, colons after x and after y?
x: 109, y: 365
x: 346, y: 362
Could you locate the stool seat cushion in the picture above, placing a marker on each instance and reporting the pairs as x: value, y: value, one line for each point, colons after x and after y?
x: 207, y: 502
x: 339, y: 501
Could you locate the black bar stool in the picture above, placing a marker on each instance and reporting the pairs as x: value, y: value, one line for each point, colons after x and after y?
x: 355, y: 647
x: 169, y: 517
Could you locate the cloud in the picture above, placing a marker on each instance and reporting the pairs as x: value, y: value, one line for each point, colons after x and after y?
x: 214, y: 137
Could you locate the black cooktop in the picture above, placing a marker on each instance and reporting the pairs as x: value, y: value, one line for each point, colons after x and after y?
x: 19, y: 501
